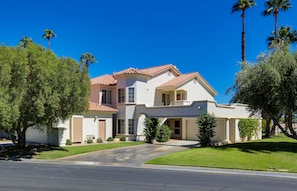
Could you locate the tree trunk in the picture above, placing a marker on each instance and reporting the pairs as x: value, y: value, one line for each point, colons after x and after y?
x: 273, y: 129
x: 21, y: 133
x: 283, y: 130
x: 290, y: 125
x: 243, y: 41
x: 267, y: 128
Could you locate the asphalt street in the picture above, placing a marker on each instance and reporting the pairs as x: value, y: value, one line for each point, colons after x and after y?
x: 36, y: 176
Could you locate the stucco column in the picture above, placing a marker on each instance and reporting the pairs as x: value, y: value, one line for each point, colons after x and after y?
x: 227, y: 130
x: 174, y: 97
x: 237, y: 137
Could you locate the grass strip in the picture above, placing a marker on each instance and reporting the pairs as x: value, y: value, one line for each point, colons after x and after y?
x: 59, y: 152
x: 272, y: 154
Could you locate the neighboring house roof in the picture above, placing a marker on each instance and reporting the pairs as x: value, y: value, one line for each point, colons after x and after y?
x: 104, y: 80
x: 159, y: 69
x: 96, y: 107
x: 180, y: 80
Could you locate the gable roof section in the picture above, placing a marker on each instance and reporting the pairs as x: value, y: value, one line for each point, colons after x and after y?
x: 129, y: 71
x: 148, y: 72
x: 159, y: 69
x: 104, y: 80
x: 179, y: 80
x: 97, y: 107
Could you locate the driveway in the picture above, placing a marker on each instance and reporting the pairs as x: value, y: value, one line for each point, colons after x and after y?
x: 130, y: 156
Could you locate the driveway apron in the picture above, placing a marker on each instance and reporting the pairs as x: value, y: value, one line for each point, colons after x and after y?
x: 130, y: 156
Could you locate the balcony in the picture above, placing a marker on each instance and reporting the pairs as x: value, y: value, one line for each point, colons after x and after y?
x: 180, y: 103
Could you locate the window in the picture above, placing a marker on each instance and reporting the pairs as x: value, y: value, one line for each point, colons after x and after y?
x: 177, y: 127
x: 131, y: 95
x: 121, y: 126
x: 131, y: 126
x: 121, y: 95
x: 181, y: 95
x: 106, y: 97
x: 166, y: 99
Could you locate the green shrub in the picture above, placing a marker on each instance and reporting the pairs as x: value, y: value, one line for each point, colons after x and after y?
x: 90, y: 140
x: 150, y: 129
x: 122, y: 138
x: 206, y: 124
x: 68, y: 142
x: 247, y: 128
x: 99, y: 140
x: 163, y: 133
x: 109, y: 139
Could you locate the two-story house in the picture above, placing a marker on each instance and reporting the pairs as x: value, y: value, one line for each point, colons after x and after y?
x: 120, y: 102
x: 165, y: 93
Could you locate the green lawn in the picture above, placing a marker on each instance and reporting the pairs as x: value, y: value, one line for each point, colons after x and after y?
x: 273, y: 154
x: 60, y: 152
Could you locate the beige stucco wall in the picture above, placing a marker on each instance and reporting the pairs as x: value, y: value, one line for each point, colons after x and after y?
x: 153, y: 97
x: 191, y: 129
x: 220, y: 131
x: 195, y: 91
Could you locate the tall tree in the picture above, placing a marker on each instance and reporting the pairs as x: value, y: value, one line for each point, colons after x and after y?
x: 25, y: 41
x: 270, y: 87
x: 38, y: 88
x: 243, y: 5
x: 274, y: 7
x: 48, y: 34
x: 286, y: 36
x: 86, y: 59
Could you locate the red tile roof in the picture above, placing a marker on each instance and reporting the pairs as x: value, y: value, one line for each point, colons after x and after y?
x: 130, y: 71
x: 159, y: 69
x: 104, y: 80
x: 179, y: 80
x: 96, y: 107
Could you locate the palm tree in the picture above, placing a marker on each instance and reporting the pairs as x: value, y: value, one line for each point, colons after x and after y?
x: 274, y: 7
x: 25, y: 41
x: 48, y: 34
x: 86, y: 59
x: 242, y: 5
x: 285, y: 36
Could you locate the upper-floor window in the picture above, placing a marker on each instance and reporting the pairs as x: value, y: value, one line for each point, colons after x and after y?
x: 121, y: 95
x: 131, y: 94
x: 106, y: 97
x: 181, y: 95
x: 166, y: 99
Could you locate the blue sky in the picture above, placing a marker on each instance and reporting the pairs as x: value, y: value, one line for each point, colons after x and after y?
x: 194, y: 35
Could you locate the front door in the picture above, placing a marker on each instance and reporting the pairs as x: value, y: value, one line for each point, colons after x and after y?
x: 102, y: 130
x: 175, y: 127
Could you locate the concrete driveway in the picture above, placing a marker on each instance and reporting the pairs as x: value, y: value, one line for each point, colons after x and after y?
x: 130, y: 156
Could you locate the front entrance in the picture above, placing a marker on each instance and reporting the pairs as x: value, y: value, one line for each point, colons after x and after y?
x: 175, y: 126
x: 102, y: 130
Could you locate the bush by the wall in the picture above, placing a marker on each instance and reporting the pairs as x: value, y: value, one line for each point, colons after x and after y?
x: 206, y: 124
x: 109, y: 139
x: 247, y: 128
x: 150, y: 129
x: 68, y: 142
x: 122, y: 138
x: 99, y: 140
x: 163, y: 133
